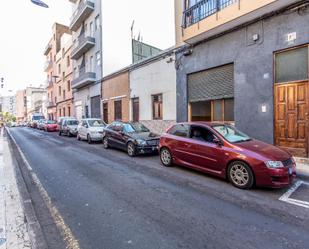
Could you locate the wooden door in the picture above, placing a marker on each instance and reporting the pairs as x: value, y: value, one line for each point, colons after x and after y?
x: 135, y: 109
x: 291, y: 117
x: 105, y: 112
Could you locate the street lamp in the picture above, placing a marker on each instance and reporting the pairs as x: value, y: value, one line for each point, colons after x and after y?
x: 39, y: 3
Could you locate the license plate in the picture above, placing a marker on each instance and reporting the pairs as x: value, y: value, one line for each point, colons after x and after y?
x: 290, y: 171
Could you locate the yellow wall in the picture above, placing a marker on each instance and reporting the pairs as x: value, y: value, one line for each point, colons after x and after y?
x: 236, y: 10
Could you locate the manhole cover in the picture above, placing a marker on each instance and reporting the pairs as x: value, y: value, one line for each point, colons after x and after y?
x: 2, y: 241
x: 301, y: 193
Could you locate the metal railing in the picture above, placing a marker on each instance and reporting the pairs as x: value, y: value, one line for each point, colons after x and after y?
x: 80, y: 8
x: 203, y: 9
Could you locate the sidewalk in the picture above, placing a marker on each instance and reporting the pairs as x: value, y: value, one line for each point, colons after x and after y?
x: 13, y: 229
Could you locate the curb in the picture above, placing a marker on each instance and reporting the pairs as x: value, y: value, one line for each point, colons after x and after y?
x: 36, y: 234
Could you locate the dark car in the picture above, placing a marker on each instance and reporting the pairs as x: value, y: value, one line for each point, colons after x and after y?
x: 132, y: 137
x: 222, y: 150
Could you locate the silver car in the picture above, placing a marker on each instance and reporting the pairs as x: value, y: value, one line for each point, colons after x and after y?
x: 91, y: 129
x: 68, y: 126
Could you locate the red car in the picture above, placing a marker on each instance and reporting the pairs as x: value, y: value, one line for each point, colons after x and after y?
x: 51, y: 125
x: 221, y: 150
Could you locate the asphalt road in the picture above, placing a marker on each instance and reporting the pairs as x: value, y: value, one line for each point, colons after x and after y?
x: 111, y: 201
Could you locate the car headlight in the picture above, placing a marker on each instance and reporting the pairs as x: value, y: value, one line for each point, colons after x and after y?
x: 141, y: 142
x: 274, y: 164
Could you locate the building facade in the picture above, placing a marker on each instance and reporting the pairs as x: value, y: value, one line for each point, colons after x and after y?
x: 153, y: 91
x: 116, y: 96
x: 34, y: 100
x: 87, y: 57
x: 21, y: 106
x: 246, y: 63
x: 63, y: 89
x: 50, y: 68
x: 8, y: 104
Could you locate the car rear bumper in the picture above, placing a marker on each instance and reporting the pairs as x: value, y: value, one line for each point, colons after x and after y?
x: 96, y: 137
x: 277, y: 178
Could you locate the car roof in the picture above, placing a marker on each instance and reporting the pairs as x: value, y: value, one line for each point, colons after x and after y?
x: 91, y: 119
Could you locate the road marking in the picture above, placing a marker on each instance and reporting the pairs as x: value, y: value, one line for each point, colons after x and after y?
x: 286, y: 196
x: 70, y: 240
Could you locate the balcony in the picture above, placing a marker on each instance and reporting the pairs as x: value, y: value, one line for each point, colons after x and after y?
x: 48, y: 65
x: 82, y: 12
x: 51, y: 104
x: 83, y: 45
x: 84, y: 78
x: 47, y: 49
x: 209, y: 18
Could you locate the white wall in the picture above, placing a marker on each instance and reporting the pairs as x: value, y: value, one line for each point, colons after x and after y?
x: 155, y: 78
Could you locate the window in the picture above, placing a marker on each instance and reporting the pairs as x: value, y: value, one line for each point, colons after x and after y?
x: 63, y: 111
x: 201, y: 134
x: 69, y: 111
x: 69, y: 85
x: 97, y: 22
x: 59, y: 88
x: 231, y: 134
x: 68, y: 61
x: 91, y: 29
x: 63, y: 52
x: 98, y: 58
x: 63, y: 75
x: 59, y: 69
x: 118, y: 110
x: 59, y: 112
x: 291, y: 65
x: 181, y: 130
x: 157, y: 106
x: 63, y: 94
x: 213, y: 110
x: 91, y: 63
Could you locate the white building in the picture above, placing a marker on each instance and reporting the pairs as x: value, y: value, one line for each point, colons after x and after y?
x: 8, y: 104
x: 153, y: 91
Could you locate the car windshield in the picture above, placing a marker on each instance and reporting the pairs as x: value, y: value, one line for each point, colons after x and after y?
x: 72, y: 122
x: 96, y: 123
x: 51, y: 122
x: 135, y: 127
x: 37, y: 117
x: 231, y: 134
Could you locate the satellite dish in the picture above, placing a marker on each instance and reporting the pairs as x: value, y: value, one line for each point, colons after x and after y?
x: 40, y: 3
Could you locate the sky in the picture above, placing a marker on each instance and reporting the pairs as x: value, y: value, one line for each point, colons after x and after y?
x: 27, y: 28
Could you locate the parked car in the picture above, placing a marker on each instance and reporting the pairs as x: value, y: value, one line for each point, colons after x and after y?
x: 90, y: 129
x: 222, y: 150
x: 35, y: 117
x: 41, y: 124
x: 132, y: 137
x: 51, y: 125
x: 68, y: 126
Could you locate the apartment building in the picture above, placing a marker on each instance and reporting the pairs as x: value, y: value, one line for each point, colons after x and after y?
x: 63, y: 89
x: 8, y: 104
x: 51, y: 50
x: 246, y: 62
x: 153, y: 91
x: 87, y: 57
x: 21, y: 106
x: 34, y: 97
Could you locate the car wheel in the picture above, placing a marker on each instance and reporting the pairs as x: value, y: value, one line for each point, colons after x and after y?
x: 89, y: 139
x: 240, y: 175
x: 166, y: 157
x: 105, y: 143
x: 131, y: 149
x: 60, y: 133
x: 78, y: 137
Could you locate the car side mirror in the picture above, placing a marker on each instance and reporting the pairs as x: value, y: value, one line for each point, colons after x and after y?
x: 218, y: 141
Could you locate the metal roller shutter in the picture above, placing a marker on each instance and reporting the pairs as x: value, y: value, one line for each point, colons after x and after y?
x: 216, y: 83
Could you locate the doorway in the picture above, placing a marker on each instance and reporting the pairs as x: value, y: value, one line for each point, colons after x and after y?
x: 135, y: 109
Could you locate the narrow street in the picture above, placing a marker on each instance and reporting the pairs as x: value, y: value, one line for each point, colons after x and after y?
x: 109, y: 200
